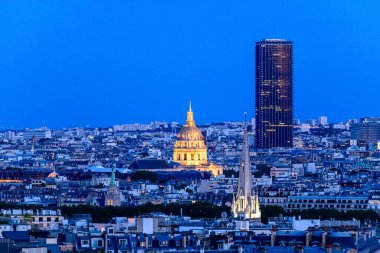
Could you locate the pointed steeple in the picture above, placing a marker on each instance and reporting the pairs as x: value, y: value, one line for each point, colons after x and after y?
x: 245, y: 179
x: 245, y: 203
x: 190, y: 117
x: 113, y: 180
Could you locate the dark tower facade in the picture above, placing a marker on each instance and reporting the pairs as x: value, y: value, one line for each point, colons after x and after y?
x: 274, y: 93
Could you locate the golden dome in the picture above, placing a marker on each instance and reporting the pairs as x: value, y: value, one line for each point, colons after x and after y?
x: 53, y: 174
x: 190, y: 133
x: 190, y: 148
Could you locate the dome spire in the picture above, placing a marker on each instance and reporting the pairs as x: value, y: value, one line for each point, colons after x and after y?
x: 190, y: 117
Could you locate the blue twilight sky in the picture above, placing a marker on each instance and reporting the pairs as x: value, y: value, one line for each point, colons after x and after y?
x: 70, y: 63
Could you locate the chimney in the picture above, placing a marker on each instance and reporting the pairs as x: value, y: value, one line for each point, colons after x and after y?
x: 300, y: 249
x: 308, y: 237
x: 184, y: 241
x: 329, y: 249
x: 324, y: 236
x: 273, y: 236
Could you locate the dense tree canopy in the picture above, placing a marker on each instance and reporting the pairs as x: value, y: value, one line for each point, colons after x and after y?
x: 104, y: 214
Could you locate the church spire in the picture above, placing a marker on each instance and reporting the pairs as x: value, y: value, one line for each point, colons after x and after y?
x: 113, y: 179
x: 245, y: 203
x: 190, y: 117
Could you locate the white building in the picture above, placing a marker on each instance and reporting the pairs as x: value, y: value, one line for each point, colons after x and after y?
x: 322, y: 120
x: 42, y: 133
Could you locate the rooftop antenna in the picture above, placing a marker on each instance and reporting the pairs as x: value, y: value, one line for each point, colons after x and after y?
x: 245, y: 121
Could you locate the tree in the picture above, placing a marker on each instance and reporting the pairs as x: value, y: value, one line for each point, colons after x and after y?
x: 230, y: 173
x: 261, y: 170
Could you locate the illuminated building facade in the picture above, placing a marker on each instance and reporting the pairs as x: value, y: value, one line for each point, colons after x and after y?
x: 274, y: 93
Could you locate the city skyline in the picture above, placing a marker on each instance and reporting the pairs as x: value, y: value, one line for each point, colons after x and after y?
x: 66, y: 65
x: 189, y: 126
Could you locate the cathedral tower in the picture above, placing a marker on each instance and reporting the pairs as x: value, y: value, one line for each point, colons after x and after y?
x: 113, y: 195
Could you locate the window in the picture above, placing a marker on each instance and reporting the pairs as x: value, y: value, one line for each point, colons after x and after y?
x: 40, y: 219
x: 48, y: 219
x: 100, y: 243
x: 109, y: 251
x: 85, y: 242
x: 123, y: 242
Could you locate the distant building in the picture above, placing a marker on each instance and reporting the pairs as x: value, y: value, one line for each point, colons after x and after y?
x: 311, y: 122
x: 9, y: 135
x: 37, y: 133
x: 342, y: 203
x: 367, y: 130
x: 297, y: 122
x: 322, y: 121
x: 274, y: 93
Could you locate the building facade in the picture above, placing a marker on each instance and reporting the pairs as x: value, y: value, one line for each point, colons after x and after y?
x: 342, y: 203
x: 274, y: 93
x: 367, y: 130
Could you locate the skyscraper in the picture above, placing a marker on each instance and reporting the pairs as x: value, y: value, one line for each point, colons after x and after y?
x: 274, y: 93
